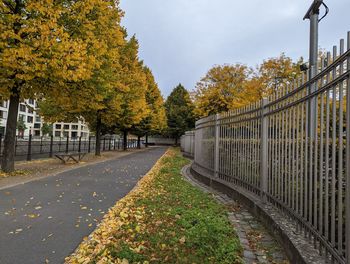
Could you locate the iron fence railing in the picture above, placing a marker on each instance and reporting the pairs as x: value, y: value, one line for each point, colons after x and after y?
x: 28, y: 148
x: 293, y: 151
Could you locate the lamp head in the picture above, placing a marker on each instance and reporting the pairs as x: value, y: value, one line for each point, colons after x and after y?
x: 314, y: 9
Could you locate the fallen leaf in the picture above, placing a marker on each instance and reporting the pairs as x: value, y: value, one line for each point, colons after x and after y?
x: 182, y: 240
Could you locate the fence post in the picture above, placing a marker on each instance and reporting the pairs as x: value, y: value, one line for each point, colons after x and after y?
x: 216, y: 146
x: 0, y: 145
x: 109, y: 144
x: 89, y: 145
x: 347, y: 175
x: 41, y: 144
x: 29, y: 153
x: 104, y: 144
x: 67, y: 145
x: 264, y: 150
x: 51, y: 146
x: 79, y: 146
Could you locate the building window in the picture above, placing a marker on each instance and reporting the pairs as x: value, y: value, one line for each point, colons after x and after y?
x: 74, y: 134
x: 31, y: 101
x: 75, y: 127
x: 36, y: 125
x: 58, y: 126
x: 66, y: 126
x: 37, y: 133
x: 21, y: 117
x: 3, y: 104
x: 30, y: 119
x: 38, y: 119
x: 2, y: 130
x: 57, y: 134
x: 65, y: 133
x: 30, y: 110
x: 3, y: 114
x: 22, y: 108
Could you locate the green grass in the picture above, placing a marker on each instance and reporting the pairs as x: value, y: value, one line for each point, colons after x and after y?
x: 179, y: 223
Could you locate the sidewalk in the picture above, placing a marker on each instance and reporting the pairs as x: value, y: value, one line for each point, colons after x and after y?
x: 44, y: 220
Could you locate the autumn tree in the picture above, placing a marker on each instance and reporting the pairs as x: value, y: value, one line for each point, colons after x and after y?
x: 133, y: 106
x: 37, y: 53
x: 155, y: 120
x: 223, y: 88
x: 179, y: 112
x: 98, y: 99
x: 276, y: 72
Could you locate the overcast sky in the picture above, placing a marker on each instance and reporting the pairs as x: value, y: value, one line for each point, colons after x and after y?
x: 180, y: 40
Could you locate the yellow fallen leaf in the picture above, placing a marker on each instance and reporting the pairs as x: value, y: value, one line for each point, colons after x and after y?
x: 182, y: 240
x: 33, y: 215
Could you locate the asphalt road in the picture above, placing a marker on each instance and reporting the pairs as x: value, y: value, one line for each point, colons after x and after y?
x: 44, y: 221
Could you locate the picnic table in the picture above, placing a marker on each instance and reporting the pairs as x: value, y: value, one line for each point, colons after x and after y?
x: 65, y: 157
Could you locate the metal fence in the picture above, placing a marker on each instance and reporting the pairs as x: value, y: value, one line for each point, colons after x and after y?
x: 292, y: 151
x: 29, y: 148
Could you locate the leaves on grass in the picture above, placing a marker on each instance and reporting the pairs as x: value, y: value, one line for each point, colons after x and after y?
x: 164, y: 219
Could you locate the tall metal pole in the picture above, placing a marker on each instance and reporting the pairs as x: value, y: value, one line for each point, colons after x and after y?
x: 313, y: 15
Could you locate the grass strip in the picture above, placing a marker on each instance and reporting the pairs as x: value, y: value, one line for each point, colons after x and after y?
x: 163, y: 220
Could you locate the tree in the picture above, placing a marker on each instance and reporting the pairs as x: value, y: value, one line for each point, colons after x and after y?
x: 133, y: 97
x: 276, y: 72
x: 21, y: 127
x: 180, y: 112
x: 155, y: 120
x: 38, y: 55
x: 46, y: 129
x: 227, y: 87
x: 224, y: 88
x: 97, y: 99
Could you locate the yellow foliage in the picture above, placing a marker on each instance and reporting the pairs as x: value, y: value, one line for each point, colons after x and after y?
x: 117, y: 219
x: 224, y: 88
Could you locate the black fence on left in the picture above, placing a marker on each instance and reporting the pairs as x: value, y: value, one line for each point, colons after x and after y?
x: 29, y: 148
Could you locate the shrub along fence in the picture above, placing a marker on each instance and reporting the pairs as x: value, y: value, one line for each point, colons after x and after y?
x: 292, y: 150
x: 35, y: 148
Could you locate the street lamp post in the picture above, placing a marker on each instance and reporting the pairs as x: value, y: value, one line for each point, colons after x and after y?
x: 313, y: 15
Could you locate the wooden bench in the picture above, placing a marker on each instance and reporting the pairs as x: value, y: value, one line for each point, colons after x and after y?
x: 77, y: 157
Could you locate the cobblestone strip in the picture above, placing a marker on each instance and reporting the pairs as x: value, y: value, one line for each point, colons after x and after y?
x: 258, y: 245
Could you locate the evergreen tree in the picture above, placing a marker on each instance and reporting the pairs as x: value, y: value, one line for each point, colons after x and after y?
x: 179, y: 111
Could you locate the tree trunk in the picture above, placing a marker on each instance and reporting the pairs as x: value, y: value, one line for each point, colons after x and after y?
x: 146, y: 143
x: 125, y: 140
x: 98, y: 134
x: 138, y: 142
x: 175, y: 141
x: 8, y: 159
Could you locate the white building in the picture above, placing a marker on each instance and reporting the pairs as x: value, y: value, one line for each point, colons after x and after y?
x: 34, y: 122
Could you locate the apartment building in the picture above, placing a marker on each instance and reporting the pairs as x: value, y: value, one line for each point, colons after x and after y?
x: 34, y: 122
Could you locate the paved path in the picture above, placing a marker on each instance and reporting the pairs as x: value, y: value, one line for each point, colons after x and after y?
x: 43, y: 221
